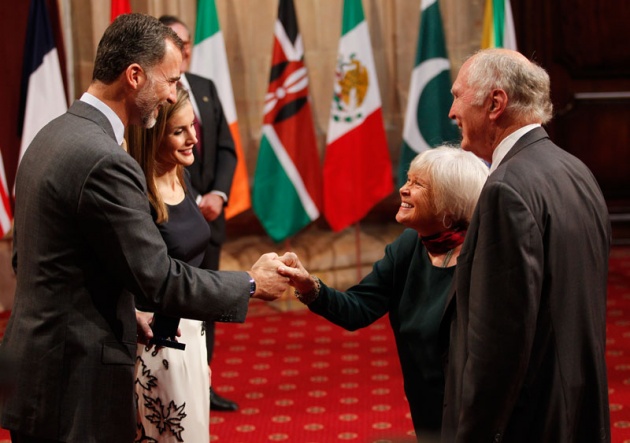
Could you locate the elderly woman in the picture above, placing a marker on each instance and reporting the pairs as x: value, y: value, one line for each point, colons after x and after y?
x: 411, y: 281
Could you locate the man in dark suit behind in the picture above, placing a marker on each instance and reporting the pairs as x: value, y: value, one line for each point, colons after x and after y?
x: 85, y: 242
x: 527, y: 320
x: 212, y: 171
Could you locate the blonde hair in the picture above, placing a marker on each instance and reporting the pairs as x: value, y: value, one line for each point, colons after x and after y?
x: 456, y: 178
x: 143, y: 144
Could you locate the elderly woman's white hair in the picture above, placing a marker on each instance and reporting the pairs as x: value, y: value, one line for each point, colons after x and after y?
x: 455, y: 178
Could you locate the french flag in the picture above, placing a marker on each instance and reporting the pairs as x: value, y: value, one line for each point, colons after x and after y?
x: 43, y: 96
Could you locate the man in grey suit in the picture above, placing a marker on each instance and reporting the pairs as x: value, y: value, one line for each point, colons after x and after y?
x: 85, y: 241
x: 212, y: 171
x: 527, y: 320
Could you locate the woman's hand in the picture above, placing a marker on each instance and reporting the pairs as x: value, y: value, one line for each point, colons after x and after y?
x: 299, y: 277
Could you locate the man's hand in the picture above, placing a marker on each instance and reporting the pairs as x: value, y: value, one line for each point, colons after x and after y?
x: 269, y: 284
x: 143, y: 321
x: 211, y: 206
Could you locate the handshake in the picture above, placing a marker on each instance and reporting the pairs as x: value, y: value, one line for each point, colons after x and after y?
x: 273, y: 274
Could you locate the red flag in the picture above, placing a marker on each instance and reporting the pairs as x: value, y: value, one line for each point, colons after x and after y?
x: 357, y: 168
x: 5, y: 207
x: 119, y: 7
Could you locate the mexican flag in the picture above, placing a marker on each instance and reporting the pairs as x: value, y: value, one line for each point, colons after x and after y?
x: 498, y: 25
x: 357, y: 167
x: 209, y: 60
x: 426, y: 120
x: 287, y: 184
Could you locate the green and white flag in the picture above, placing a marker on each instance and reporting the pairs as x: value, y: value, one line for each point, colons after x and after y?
x: 426, y: 120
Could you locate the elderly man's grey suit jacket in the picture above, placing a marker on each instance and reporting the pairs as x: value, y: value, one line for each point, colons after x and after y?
x: 527, y: 324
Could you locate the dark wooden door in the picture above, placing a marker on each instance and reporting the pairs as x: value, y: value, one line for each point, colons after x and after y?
x: 585, y: 47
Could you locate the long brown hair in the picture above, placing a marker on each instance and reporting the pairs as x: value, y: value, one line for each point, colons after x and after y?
x: 143, y: 144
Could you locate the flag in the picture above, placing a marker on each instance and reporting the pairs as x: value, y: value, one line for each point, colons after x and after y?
x: 357, y: 167
x: 119, y: 7
x: 5, y: 206
x: 426, y: 121
x: 498, y: 25
x: 287, y: 181
x: 209, y: 60
x: 42, y: 96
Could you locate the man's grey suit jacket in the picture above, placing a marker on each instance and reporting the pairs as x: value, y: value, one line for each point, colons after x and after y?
x: 83, y: 237
x: 527, y: 324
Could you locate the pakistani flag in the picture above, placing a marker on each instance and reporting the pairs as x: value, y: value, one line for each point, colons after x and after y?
x: 209, y: 60
x: 287, y: 181
x: 498, y: 25
x: 426, y: 120
x: 357, y: 167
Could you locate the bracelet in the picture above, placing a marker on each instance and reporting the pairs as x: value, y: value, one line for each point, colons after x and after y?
x: 310, y: 296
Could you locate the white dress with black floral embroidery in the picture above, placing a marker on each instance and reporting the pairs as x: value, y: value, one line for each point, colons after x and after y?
x: 172, y: 386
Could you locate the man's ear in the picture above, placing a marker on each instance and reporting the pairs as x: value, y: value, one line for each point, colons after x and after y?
x: 135, y: 75
x: 498, y: 103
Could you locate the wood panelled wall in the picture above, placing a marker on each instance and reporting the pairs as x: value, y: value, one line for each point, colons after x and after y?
x: 583, y: 44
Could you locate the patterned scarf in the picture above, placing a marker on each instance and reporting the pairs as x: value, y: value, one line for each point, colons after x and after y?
x: 444, y: 241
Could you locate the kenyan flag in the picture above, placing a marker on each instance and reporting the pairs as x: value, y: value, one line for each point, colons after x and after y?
x: 286, y: 190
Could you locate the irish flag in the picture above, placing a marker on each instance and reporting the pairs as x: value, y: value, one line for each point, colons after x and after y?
x: 357, y: 167
x: 287, y: 181
x: 498, y: 25
x: 209, y: 60
x: 426, y: 121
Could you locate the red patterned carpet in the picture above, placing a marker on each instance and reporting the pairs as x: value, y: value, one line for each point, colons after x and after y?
x: 618, y: 343
x: 300, y: 379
